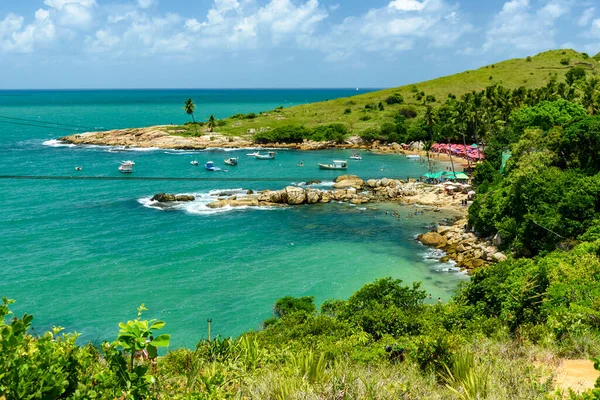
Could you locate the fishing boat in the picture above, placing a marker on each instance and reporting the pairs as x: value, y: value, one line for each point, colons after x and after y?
x: 231, y: 161
x: 269, y: 156
x: 126, y: 167
x: 194, y: 162
x: 337, y: 164
x: 356, y: 156
x: 210, y: 166
x: 413, y: 156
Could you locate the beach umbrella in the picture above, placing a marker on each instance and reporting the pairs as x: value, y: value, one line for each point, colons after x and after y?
x: 450, y: 187
x: 462, y: 176
x: 471, y: 192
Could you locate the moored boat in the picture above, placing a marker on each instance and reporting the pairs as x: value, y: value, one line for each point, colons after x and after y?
x: 126, y: 167
x: 253, y: 154
x: 356, y: 156
x: 231, y: 161
x: 337, y: 164
x: 194, y: 162
x: 413, y: 156
x: 269, y: 156
x: 210, y: 166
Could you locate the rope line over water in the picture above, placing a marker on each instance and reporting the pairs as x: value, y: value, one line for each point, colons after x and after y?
x: 46, y: 124
x: 162, y: 178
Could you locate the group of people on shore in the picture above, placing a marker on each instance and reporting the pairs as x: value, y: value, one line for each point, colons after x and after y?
x: 396, y: 214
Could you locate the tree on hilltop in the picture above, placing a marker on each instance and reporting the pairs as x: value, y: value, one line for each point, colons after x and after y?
x: 189, y: 107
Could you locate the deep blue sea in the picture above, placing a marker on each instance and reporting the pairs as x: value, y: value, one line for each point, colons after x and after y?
x: 84, y: 254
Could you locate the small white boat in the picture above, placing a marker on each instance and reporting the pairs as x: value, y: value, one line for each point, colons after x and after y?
x: 194, y: 162
x: 356, y: 156
x: 300, y: 164
x: 337, y: 164
x: 413, y: 156
x: 210, y: 166
x: 269, y: 156
x: 231, y: 161
x: 253, y: 154
x: 126, y: 167
x: 78, y: 168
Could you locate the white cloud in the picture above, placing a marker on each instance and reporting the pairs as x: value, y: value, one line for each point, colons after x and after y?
x: 395, y: 28
x: 72, y: 13
x: 518, y: 26
x: 408, y: 5
x: 594, y: 31
x: 146, y: 3
x: 15, y: 37
x: 586, y: 16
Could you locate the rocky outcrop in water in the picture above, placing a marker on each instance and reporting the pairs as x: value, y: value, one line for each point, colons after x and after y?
x: 468, y: 250
x: 166, y: 197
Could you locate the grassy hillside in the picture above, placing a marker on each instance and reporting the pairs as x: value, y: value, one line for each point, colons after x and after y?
x: 530, y: 72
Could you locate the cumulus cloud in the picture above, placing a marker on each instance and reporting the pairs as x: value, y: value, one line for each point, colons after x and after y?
x: 75, y: 13
x: 519, y: 26
x: 16, y: 37
x: 395, y: 28
x: 586, y: 16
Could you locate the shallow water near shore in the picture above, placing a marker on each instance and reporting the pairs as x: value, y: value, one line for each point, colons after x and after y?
x: 83, y: 254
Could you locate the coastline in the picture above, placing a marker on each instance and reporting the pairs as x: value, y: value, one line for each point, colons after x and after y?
x: 165, y: 137
x: 458, y: 244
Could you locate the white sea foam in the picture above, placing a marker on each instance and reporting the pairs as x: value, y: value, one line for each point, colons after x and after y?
x: 199, y: 205
x: 324, y: 184
x: 57, y: 143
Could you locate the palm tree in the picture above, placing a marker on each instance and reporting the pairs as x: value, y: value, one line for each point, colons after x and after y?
x: 588, y: 101
x: 461, y: 116
x: 430, y: 119
x: 212, y: 122
x: 189, y: 107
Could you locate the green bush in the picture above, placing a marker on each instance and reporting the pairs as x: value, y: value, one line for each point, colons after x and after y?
x: 395, y: 98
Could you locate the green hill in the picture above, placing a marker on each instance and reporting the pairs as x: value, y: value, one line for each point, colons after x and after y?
x: 530, y: 72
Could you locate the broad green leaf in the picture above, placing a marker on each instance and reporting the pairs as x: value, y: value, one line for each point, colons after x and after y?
x: 161, y: 341
x: 157, y: 325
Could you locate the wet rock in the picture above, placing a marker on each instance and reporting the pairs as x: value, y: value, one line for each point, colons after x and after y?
x: 166, y: 197
x: 313, y: 182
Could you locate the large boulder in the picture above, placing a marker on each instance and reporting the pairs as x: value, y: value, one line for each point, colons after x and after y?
x: 295, y: 195
x: 348, y: 181
x: 443, y: 229
x: 274, y: 196
x: 433, y: 239
x: 313, y: 196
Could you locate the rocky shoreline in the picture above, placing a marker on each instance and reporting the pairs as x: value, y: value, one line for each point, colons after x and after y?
x: 460, y: 245
x: 464, y: 247
x: 166, y: 137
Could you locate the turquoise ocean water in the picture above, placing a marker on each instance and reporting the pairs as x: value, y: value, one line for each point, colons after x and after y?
x: 83, y: 254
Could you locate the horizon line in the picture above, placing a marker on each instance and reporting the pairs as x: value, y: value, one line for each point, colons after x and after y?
x: 180, y: 88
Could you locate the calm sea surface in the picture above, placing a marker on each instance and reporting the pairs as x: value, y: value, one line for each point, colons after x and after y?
x: 84, y: 254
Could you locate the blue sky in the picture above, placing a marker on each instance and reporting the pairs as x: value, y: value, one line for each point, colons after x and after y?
x: 276, y: 43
